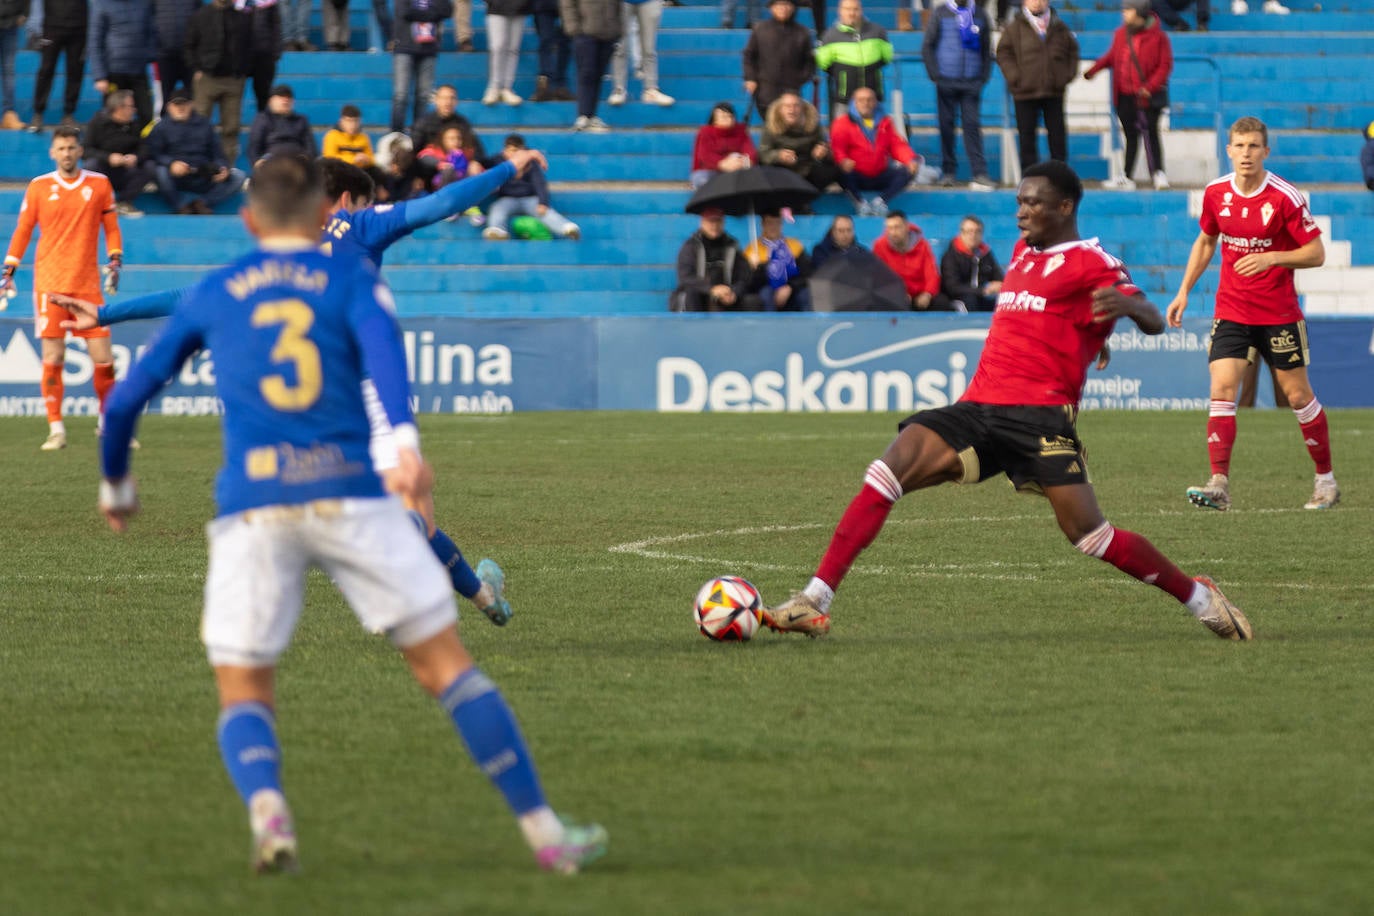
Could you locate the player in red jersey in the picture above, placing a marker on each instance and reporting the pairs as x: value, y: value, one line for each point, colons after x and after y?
x: 1058, y: 304
x: 69, y: 206
x: 1265, y: 232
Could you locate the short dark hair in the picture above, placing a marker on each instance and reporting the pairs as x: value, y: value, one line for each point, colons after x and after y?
x: 897, y: 214
x: 515, y: 140
x: 286, y: 190
x: 350, y: 111
x: 1060, y: 176
x: 344, y: 177
x: 66, y: 131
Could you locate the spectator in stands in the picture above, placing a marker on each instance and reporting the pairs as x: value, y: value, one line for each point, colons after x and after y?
x: 554, y: 50
x: 218, y: 43
x: 347, y: 141
x: 505, y: 25
x: 419, y: 27
x: 462, y: 25
x: 13, y: 15
x: 526, y: 194
x: 379, y: 28
x: 722, y: 145
x: 872, y: 154
x: 170, y: 19
x: 192, y: 173
x: 426, y: 129
x: 114, y: 148
x: 1273, y: 7
x: 839, y: 241
x: 1038, y: 55
x: 1367, y: 156
x: 279, y: 129
x: 793, y: 139
x: 406, y: 176
x: 121, y: 43
x: 264, y: 48
x: 853, y: 52
x: 447, y: 158
x: 781, y: 268
x: 727, y: 13
x: 295, y: 25
x: 1140, y: 58
x: 642, y: 18
x: 903, y: 248
x: 957, y: 50
x: 712, y: 274
x: 969, y: 273
x: 779, y: 57
x: 1168, y: 13
x: 334, y: 24
x: 594, y: 27
x: 65, y: 28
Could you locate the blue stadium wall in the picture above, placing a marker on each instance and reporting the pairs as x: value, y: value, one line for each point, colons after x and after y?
x: 804, y: 363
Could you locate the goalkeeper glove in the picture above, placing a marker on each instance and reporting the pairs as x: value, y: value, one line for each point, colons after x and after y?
x: 7, y: 290
x: 110, y: 274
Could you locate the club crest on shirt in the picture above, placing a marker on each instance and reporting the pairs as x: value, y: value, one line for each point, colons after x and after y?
x: 1053, y: 264
x: 52, y: 195
x: 86, y: 193
x: 1226, y: 198
x: 1266, y: 212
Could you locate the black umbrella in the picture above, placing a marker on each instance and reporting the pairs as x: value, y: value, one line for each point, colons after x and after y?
x: 857, y: 281
x: 753, y: 190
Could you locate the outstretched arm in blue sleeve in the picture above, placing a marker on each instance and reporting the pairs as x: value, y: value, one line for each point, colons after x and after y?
x: 457, y: 197
x: 151, y: 305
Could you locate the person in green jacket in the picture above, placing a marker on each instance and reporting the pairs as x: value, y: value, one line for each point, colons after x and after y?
x: 853, y: 52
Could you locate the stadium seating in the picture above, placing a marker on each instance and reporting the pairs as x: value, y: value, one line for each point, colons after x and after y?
x: 1304, y: 74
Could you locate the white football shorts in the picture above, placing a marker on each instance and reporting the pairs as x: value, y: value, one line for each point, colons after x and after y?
x: 370, y: 549
x: 382, y: 446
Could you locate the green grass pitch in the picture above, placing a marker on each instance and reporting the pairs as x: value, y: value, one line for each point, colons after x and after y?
x: 996, y: 725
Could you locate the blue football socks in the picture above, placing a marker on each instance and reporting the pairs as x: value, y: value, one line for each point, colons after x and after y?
x: 248, y: 745
x: 465, y: 581
x: 488, y: 728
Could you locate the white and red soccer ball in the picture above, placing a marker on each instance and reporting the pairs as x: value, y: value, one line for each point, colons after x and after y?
x: 728, y: 609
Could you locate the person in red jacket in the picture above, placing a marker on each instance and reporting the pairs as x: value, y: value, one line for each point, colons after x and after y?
x: 903, y: 248
x: 1140, y: 59
x: 722, y: 145
x: 871, y: 154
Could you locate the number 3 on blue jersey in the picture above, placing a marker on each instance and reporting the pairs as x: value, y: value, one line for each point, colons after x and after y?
x: 295, y: 318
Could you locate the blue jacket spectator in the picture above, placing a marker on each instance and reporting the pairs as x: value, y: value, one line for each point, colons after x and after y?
x: 121, y: 42
x: 192, y: 172
x: 280, y: 129
x: 419, y: 27
x: 839, y: 241
x: 526, y: 195
x: 957, y: 49
x: 169, y: 23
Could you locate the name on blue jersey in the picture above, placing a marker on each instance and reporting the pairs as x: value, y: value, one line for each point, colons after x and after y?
x: 275, y: 273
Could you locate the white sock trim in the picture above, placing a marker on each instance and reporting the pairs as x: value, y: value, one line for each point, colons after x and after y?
x: 1096, y: 542
x: 880, y: 477
x: 1199, y: 600
x: 541, y: 827
x: 820, y: 593
x: 1221, y: 408
x: 1309, y: 413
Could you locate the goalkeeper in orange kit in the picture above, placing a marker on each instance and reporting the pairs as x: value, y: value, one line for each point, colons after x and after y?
x: 69, y: 206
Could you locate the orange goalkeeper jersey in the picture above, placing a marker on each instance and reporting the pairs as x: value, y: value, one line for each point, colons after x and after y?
x: 69, y: 215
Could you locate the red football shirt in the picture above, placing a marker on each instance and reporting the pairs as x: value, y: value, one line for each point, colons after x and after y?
x: 1274, y: 218
x: 1043, y: 337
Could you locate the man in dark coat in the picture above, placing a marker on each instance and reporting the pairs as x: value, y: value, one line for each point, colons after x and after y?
x: 65, y: 25
x: 192, y: 173
x: 170, y: 20
x: 114, y: 148
x: 1038, y: 55
x: 779, y: 57
x: 121, y: 43
x: 279, y: 129
x: 712, y: 273
x: 969, y: 272
x: 217, y: 53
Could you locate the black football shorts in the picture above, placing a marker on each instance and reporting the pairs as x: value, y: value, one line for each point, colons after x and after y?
x: 1283, y: 346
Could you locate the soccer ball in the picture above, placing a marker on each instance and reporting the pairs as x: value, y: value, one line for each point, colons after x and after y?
x: 728, y: 609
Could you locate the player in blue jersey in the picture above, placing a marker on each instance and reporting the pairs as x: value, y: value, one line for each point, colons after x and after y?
x: 297, y: 331
x: 355, y: 230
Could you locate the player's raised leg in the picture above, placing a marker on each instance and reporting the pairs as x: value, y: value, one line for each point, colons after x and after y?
x: 487, y: 726
x: 917, y: 458
x: 1075, y: 508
